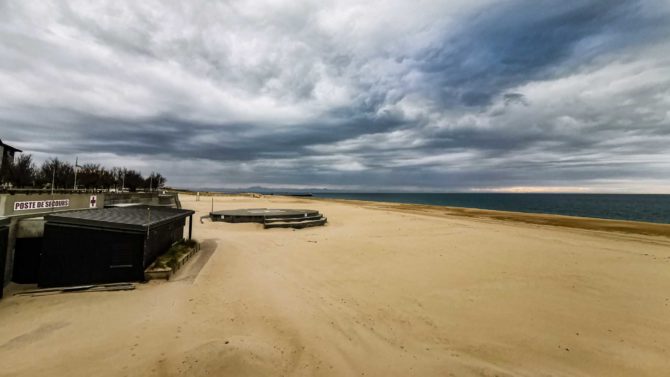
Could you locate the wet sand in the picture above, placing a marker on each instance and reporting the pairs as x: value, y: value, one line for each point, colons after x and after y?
x: 382, y: 290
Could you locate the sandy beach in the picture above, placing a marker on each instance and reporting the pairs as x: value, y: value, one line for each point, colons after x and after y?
x: 382, y: 290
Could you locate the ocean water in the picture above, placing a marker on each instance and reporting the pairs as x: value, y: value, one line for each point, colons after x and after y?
x: 634, y: 207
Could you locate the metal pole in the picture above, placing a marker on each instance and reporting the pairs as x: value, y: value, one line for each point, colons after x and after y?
x: 148, y: 221
x: 212, y: 204
x: 76, y: 163
x: 53, y: 180
x: 190, y: 226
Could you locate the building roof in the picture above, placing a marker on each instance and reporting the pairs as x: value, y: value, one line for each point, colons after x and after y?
x: 9, y: 147
x: 137, y: 218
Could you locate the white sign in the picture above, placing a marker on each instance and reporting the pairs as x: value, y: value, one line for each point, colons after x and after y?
x: 41, y: 204
x: 92, y: 203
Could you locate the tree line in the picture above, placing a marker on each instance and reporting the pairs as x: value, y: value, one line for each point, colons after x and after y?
x: 23, y: 173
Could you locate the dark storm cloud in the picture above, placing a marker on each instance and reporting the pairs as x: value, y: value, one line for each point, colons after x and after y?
x: 565, y: 95
x: 521, y: 41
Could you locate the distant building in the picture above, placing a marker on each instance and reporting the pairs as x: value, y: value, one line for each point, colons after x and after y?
x: 7, y: 153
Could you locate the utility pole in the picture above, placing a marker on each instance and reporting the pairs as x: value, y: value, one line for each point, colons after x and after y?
x: 123, y: 181
x: 53, y: 180
x: 76, y: 165
x: 151, y: 182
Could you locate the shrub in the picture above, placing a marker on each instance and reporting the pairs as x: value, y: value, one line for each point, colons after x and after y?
x: 171, y: 257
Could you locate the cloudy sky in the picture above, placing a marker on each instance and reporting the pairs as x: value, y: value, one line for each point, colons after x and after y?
x: 459, y: 95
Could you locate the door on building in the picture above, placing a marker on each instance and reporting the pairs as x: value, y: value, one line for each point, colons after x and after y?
x: 27, y: 260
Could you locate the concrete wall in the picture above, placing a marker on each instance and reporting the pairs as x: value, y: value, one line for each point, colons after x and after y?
x: 41, y: 200
x: 9, y: 257
x: 149, y: 198
x: 3, y: 248
x: 32, y: 227
x: 26, y: 223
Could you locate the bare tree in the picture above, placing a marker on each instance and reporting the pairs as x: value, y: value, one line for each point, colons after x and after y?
x: 90, y: 176
x: 22, y: 172
x: 133, y: 180
x: 155, y: 181
x: 64, y: 173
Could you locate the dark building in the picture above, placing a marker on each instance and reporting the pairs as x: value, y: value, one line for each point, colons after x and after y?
x: 4, y: 233
x: 26, y: 260
x: 28, y: 235
x: 107, y: 245
x: 6, y: 155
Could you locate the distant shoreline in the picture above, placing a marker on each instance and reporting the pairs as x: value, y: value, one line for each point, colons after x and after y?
x: 644, y: 209
x: 317, y: 192
x: 575, y: 222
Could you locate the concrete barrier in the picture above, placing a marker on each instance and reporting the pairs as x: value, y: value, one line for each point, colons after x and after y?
x: 31, y: 203
x: 148, y: 198
x: 165, y: 273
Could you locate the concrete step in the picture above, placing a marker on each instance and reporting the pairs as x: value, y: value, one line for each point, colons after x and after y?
x: 291, y: 219
x: 297, y: 225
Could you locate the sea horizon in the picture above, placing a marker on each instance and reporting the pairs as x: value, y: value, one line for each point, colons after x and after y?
x: 654, y: 208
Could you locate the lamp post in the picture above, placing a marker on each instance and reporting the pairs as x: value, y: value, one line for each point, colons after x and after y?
x: 76, y: 165
x: 53, y: 181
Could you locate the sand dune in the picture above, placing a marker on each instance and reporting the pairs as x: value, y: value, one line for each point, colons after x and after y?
x: 382, y: 290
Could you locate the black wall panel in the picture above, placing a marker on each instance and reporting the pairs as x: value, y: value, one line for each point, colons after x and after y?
x: 80, y: 256
x: 26, y: 260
